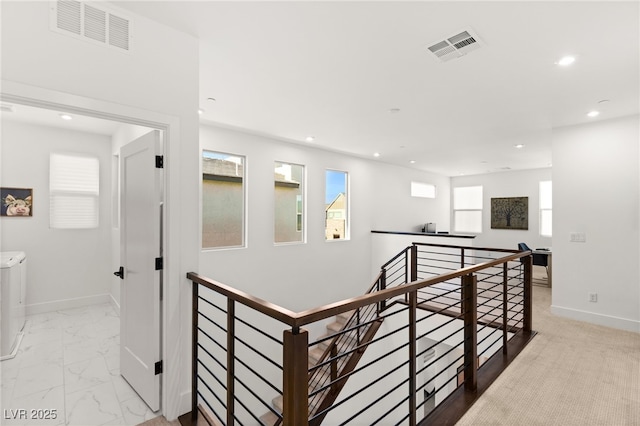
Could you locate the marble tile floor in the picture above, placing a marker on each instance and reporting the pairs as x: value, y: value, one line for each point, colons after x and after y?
x: 68, y: 369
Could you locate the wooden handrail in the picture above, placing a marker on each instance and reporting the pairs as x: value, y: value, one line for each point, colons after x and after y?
x: 299, y: 319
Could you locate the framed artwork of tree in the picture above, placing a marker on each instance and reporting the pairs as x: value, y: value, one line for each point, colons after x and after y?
x: 510, y: 213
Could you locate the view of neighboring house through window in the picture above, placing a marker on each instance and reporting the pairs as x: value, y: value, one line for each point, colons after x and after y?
x: 74, y: 191
x: 289, y: 202
x: 336, y: 205
x: 467, y: 209
x: 545, y: 208
x: 223, y: 200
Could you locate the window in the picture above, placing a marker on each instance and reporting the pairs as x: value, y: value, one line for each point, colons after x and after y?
x: 74, y: 191
x: 545, y: 208
x: 423, y: 190
x: 467, y: 209
x: 289, y: 203
x: 336, y: 205
x: 223, y: 200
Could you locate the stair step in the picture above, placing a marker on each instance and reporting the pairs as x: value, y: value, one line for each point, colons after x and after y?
x: 269, y: 418
x: 344, y: 317
x: 278, y: 403
x: 314, y: 356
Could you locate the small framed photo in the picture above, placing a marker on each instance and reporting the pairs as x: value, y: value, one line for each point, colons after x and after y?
x: 16, y: 202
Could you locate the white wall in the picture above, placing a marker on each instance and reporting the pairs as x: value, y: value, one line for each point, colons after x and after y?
x: 67, y: 267
x: 302, y: 276
x: 596, y: 190
x: 151, y: 83
x: 523, y: 183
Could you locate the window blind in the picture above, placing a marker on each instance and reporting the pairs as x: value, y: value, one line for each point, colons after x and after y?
x: 74, y: 190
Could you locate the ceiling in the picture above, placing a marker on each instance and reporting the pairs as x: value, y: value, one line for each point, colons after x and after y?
x: 358, y: 77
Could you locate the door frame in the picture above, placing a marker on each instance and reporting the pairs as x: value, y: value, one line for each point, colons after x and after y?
x: 21, y: 94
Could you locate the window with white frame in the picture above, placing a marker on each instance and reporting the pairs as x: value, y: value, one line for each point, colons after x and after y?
x: 223, y: 200
x: 336, y: 205
x: 467, y: 209
x: 74, y: 191
x: 545, y: 208
x: 288, y: 202
x: 423, y: 190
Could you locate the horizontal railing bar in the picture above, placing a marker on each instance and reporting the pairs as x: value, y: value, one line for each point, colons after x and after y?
x: 248, y: 388
x: 211, y: 408
x: 212, y: 375
x: 224, y: 348
x: 377, y: 339
x: 326, y: 410
x: 212, y: 304
x: 224, y: 367
x: 370, y: 363
x: 497, y: 250
x: 402, y: 253
x: 212, y: 322
x: 381, y: 398
x: 270, y: 309
x: 255, y: 373
x: 259, y: 331
x: 263, y: 356
x: 315, y: 314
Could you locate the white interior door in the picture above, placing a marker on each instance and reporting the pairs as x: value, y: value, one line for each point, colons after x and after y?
x: 140, y: 247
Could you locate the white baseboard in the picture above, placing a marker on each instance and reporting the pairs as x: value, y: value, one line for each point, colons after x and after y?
x: 59, y: 305
x: 599, y: 319
x: 185, y: 402
x: 115, y: 304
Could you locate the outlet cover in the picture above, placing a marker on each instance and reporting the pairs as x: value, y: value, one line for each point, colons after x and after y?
x: 578, y: 237
x: 593, y: 297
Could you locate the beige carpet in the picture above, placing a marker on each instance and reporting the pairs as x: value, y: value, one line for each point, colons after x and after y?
x: 572, y: 373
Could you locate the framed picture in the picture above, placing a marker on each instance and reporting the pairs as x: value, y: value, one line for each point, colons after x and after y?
x: 16, y: 202
x: 510, y: 213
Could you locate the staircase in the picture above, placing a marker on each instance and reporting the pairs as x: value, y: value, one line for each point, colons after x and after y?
x: 336, y: 357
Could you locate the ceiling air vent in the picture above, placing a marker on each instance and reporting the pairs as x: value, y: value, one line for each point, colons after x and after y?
x: 90, y: 22
x: 455, y: 46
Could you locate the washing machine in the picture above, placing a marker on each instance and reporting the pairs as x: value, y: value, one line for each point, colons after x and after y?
x: 13, y: 286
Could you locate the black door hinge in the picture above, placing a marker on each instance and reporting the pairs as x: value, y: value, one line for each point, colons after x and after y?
x: 159, y: 161
x: 159, y: 264
x: 158, y: 367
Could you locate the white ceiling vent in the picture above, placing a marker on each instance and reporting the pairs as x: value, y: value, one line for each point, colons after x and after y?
x: 455, y: 46
x: 90, y: 22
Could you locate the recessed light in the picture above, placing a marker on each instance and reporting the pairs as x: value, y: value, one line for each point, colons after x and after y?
x: 412, y: 161
x: 200, y: 111
x: 66, y: 117
x: 309, y: 139
x: 604, y: 101
x: 376, y: 154
x: 211, y: 99
x: 565, y: 61
x: 593, y: 114
x: 519, y: 146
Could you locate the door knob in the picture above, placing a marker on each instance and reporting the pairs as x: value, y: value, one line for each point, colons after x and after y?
x: 120, y: 273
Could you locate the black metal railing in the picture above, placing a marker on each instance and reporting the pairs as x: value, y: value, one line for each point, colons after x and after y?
x: 432, y: 317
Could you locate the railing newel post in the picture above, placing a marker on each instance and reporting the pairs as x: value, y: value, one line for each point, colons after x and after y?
x: 295, y: 380
x: 470, y: 309
x: 231, y: 354
x: 382, y: 305
x: 194, y: 352
x: 413, y: 306
x: 528, y: 299
x: 334, y: 368
x: 358, y: 324
x: 414, y: 262
x: 505, y: 307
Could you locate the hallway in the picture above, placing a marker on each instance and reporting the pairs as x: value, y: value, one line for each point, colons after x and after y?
x: 68, y: 367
